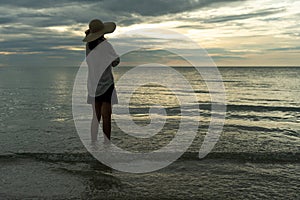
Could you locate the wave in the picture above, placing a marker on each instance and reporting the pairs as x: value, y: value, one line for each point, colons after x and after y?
x: 257, y: 118
x: 256, y: 108
x: 229, y: 107
x: 260, y: 108
x: 264, y: 129
x: 263, y: 157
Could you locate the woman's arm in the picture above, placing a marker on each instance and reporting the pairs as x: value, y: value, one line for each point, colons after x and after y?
x: 115, y: 62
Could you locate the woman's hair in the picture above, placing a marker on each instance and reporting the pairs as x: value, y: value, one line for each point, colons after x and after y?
x: 94, y: 43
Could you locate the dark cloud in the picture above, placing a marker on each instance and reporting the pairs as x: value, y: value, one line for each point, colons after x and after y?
x: 6, y: 20
x: 259, y: 13
x: 125, y: 12
x: 192, y: 26
x: 217, y: 58
x: 159, y: 7
x: 39, y: 43
x: 59, y: 13
x: 144, y: 8
x: 38, y: 4
x: 297, y: 48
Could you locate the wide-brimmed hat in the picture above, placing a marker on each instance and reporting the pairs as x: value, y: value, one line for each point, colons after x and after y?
x: 97, y: 28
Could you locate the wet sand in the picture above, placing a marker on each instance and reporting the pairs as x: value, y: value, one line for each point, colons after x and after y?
x: 27, y: 177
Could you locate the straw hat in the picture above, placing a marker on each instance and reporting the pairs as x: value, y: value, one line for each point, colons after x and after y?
x: 98, y: 28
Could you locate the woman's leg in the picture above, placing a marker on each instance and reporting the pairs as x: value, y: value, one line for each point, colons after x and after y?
x: 106, y: 118
x: 96, y: 120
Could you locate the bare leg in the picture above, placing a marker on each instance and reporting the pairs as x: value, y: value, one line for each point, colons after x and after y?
x: 106, y: 118
x: 95, y: 121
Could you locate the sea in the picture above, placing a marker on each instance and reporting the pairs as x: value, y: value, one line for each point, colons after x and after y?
x: 256, y: 156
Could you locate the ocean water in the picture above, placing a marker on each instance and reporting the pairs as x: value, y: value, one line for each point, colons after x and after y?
x: 256, y: 156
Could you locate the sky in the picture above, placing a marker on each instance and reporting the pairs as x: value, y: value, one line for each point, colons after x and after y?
x: 233, y: 32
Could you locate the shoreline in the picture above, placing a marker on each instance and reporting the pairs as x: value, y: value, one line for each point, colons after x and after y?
x: 210, y: 178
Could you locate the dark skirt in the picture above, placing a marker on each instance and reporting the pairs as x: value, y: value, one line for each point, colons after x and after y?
x: 109, y: 96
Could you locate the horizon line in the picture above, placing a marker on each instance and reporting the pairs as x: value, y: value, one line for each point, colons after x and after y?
x: 237, y: 66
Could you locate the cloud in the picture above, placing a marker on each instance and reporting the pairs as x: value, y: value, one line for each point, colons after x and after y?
x: 6, y: 20
x: 66, y: 12
x: 218, y: 58
x: 37, y: 4
x: 145, y: 8
x: 52, y: 28
x: 192, y: 26
x: 159, y: 7
x: 297, y: 48
x: 259, y: 13
x: 160, y: 56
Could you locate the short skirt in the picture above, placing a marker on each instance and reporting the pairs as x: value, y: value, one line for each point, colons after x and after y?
x: 109, y: 96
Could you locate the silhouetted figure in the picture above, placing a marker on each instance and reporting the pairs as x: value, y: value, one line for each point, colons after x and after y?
x: 100, y: 57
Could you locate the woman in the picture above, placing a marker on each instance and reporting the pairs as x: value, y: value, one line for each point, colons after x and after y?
x: 100, y: 57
